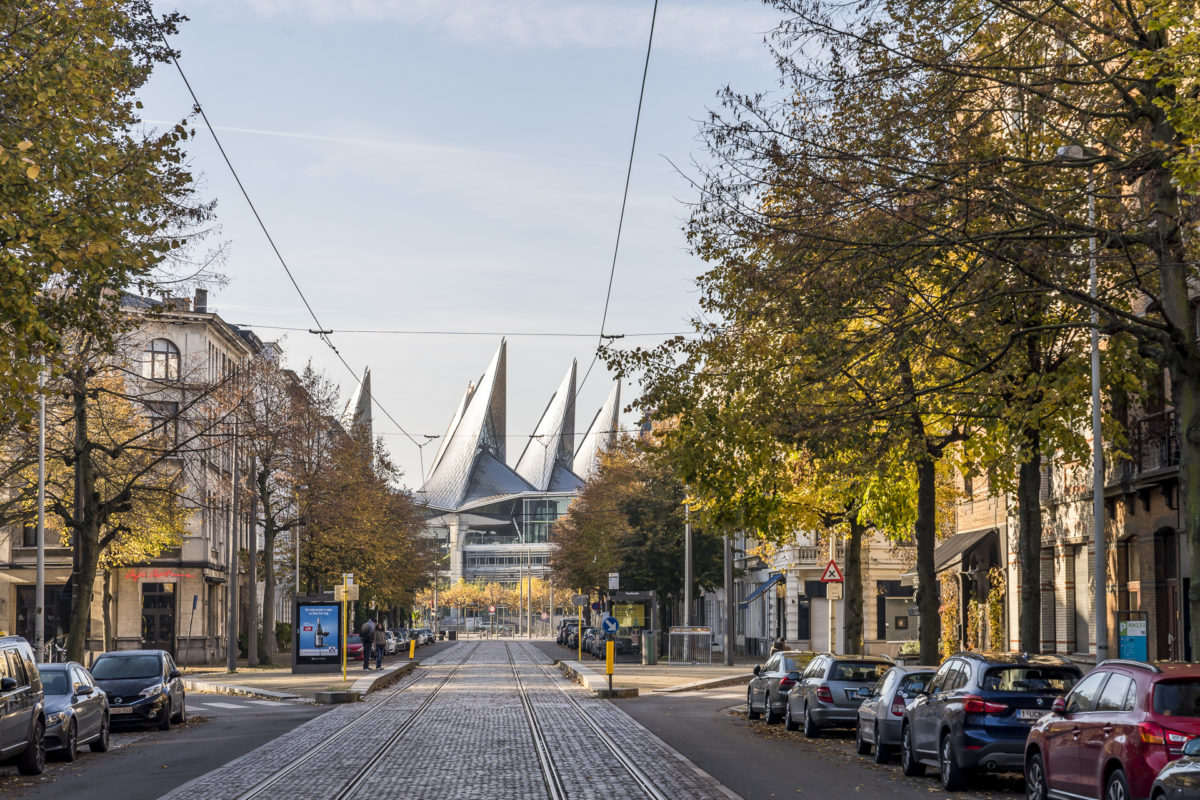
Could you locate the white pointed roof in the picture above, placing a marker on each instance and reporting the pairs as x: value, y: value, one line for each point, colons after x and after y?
x: 356, y: 418
x: 553, y: 439
x: 600, y: 435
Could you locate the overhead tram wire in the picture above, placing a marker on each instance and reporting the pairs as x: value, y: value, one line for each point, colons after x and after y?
x: 321, y: 331
x: 508, y: 334
x: 624, y: 198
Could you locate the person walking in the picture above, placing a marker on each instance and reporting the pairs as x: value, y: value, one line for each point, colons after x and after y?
x: 380, y: 643
x: 367, y: 632
x: 779, y: 645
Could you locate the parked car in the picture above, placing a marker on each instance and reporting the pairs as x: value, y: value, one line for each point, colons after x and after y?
x: 354, y: 647
x: 1116, y: 730
x: 977, y: 711
x: 76, y: 710
x: 392, y: 644
x: 142, y: 686
x: 588, y: 634
x: 22, y: 707
x: 1180, y: 779
x: 424, y: 636
x: 768, y: 690
x: 827, y: 694
x: 564, y: 629
x: 883, y: 706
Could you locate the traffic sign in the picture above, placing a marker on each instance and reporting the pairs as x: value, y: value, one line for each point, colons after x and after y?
x: 832, y: 574
x: 614, y: 581
x: 579, y: 601
x: 596, y: 606
x: 545, y: 615
x: 609, y: 625
x: 491, y: 609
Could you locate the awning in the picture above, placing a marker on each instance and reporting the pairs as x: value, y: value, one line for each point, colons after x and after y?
x: 771, y: 581
x: 948, y: 554
x: 27, y: 576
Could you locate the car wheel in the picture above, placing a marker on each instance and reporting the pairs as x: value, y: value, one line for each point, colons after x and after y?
x: 789, y: 721
x: 908, y: 757
x: 100, y: 743
x: 810, y: 728
x: 772, y: 717
x: 181, y: 717
x: 33, y: 760
x: 883, y: 753
x: 953, y: 777
x: 750, y: 712
x: 70, y: 745
x: 1035, y: 778
x: 1117, y: 787
x: 861, y: 745
x: 164, y: 717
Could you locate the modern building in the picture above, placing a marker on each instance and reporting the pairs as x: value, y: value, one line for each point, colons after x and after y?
x: 493, y: 520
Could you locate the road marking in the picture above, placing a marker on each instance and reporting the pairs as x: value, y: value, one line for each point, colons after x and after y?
x: 225, y: 705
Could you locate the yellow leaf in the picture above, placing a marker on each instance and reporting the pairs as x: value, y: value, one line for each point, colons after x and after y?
x: 25, y: 145
x: 32, y: 171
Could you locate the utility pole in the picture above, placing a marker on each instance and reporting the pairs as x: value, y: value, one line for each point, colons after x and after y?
x: 39, y: 623
x: 687, y: 563
x: 529, y: 596
x: 252, y: 634
x: 729, y: 608
x: 231, y: 623
x: 833, y: 648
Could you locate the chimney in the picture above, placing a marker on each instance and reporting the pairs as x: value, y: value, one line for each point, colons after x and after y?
x: 201, y: 304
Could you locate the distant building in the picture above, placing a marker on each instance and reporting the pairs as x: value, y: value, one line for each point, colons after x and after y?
x: 493, y: 520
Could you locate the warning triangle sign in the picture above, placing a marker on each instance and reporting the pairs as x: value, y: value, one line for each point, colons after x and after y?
x: 832, y: 574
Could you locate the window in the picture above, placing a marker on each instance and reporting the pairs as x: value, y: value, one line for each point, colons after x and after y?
x: 1039, y: 680
x: 164, y: 421
x: 1114, y: 694
x: 939, y: 680
x: 16, y: 667
x: 1177, y: 698
x: 1084, y: 696
x: 160, y: 360
x: 913, y: 683
x: 858, y: 671
x: 958, y: 678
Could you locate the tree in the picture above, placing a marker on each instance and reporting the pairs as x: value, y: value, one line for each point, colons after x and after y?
x: 91, y: 206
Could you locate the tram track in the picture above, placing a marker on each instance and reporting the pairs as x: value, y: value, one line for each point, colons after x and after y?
x: 356, y: 781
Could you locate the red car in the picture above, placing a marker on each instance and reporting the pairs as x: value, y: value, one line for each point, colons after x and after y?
x: 354, y: 647
x: 1108, y: 739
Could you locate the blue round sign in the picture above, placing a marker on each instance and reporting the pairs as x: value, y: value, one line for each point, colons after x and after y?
x: 596, y: 606
x: 609, y: 625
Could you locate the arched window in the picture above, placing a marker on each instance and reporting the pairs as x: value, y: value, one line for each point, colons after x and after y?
x: 160, y: 360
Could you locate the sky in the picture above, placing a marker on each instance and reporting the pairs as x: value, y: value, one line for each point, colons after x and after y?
x: 456, y: 165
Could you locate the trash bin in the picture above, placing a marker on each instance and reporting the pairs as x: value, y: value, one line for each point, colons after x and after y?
x: 441, y: 635
x: 452, y: 635
x: 650, y: 647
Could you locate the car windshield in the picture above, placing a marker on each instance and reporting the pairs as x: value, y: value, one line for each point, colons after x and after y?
x: 859, y: 671
x: 116, y: 667
x: 1035, y: 680
x: 55, y: 682
x: 354, y: 638
x: 1179, y: 698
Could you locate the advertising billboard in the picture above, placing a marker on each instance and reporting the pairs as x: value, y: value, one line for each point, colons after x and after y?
x: 318, y: 634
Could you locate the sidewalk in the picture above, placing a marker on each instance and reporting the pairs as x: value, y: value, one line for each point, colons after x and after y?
x: 660, y: 677
x: 278, y: 682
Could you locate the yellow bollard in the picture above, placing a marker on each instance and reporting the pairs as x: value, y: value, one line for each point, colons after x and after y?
x: 412, y: 648
x: 609, y: 648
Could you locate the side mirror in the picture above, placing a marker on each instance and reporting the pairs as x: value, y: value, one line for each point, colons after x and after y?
x: 84, y: 691
x: 794, y: 675
x: 175, y: 674
x: 1059, y: 706
x: 8, y: 684
x: 1192, y: 748
x: 757, y: 669
x: 864, y: 691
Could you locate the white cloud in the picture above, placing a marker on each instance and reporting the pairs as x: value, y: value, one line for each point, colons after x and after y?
x: 729, y: 28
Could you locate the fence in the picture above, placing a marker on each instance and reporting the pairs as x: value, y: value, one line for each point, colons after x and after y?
x: 690, y: 645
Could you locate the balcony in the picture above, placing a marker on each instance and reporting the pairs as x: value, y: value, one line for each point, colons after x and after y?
x: 1153, y: 444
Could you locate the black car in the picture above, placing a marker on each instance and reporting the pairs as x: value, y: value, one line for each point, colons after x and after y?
x: 22, y: 707
x: 76, y: 710
x: 977, y: 711
x: 1180, y: 779
x: 142, y: 686
x: 767, y: 691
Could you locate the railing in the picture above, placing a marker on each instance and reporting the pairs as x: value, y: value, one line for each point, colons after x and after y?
x: 1153, y: 443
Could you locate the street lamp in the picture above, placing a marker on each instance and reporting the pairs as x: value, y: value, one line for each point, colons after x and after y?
x: 1073, y: 153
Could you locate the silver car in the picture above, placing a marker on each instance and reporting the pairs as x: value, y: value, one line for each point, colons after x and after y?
x: 882, y: 709
x: 827, y: 694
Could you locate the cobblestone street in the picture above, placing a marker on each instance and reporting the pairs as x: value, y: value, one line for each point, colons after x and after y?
x: 479, y: 720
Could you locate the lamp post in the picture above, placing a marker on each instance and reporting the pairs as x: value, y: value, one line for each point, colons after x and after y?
x: 39, y: 620
x: 1074, y: 153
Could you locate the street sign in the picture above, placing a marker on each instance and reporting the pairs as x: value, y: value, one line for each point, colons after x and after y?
x: 834, y: 591
x: 614, y: 581
x: 342, y: 593
x: 491, y: 609
x: 579, y: 601
x: 545, y: 615
x: 609, y: 625
x: 832, y: 574
x: 596, y: 606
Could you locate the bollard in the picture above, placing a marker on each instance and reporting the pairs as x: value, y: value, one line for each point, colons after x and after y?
x: 412, y: 648
x: 609, y: 646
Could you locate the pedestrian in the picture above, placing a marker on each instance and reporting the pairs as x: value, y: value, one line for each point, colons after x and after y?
x: 367, y: 633
x: 779, y: 645
x: 380, y: 643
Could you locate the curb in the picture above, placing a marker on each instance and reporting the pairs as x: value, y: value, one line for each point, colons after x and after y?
x: 710, y: 683
x: 594, y: 681
x: 194, y: 685
x: 384, y: 678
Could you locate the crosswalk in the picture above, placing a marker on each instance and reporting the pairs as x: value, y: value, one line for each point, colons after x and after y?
x: 241, y: 705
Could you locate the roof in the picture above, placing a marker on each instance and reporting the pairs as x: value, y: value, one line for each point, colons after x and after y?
x: 600, y: 434
x: 1036, y: 659
x: 553, y: 439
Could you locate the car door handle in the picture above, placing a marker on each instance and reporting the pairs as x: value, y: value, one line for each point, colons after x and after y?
x: 1108, y: 729
x: 1075, y: 732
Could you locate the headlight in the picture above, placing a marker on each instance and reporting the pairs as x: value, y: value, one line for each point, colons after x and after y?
x: 55, y: 718
x: 152, y: 691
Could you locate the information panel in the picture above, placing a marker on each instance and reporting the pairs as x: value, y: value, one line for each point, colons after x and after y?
x: 318, y: 635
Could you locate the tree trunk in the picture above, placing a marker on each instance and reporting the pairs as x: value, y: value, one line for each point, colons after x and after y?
x: 1187, y: 415
x: 1029, y: 550
x: 853, y: 631
x: 86, y: 522
x: 108, y: 631
x: 926, y: 539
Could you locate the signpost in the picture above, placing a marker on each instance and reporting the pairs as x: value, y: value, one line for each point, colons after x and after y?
x: 579, y: 601
x: 614, y: 581
x: 832, y: 578
x: 344, y: 594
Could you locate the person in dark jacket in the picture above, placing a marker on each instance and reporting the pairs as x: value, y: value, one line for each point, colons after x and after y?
x: 779, y: 645
x: 380, y: 643
x: 367, y: 632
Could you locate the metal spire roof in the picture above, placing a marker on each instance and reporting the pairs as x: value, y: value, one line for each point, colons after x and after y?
x: 553, y: 439
x: 600, y: 435
x: 356, y: 419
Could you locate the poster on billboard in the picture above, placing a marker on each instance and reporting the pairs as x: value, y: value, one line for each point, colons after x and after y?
x: 319, y: 634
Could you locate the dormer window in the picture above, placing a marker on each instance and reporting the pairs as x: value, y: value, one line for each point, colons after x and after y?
x: 160, y: 360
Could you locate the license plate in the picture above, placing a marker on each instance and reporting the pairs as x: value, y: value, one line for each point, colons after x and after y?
x: 1029, y: 714
x: 119, y: 710
x: 851, y: 694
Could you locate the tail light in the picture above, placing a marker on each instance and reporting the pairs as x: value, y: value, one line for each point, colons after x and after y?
x: 898, y: 706
x: 785, y: 684
x: 1176, y: 740
x: 973, y: 704
x: 1151, y: 733
x: 824, y: 695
